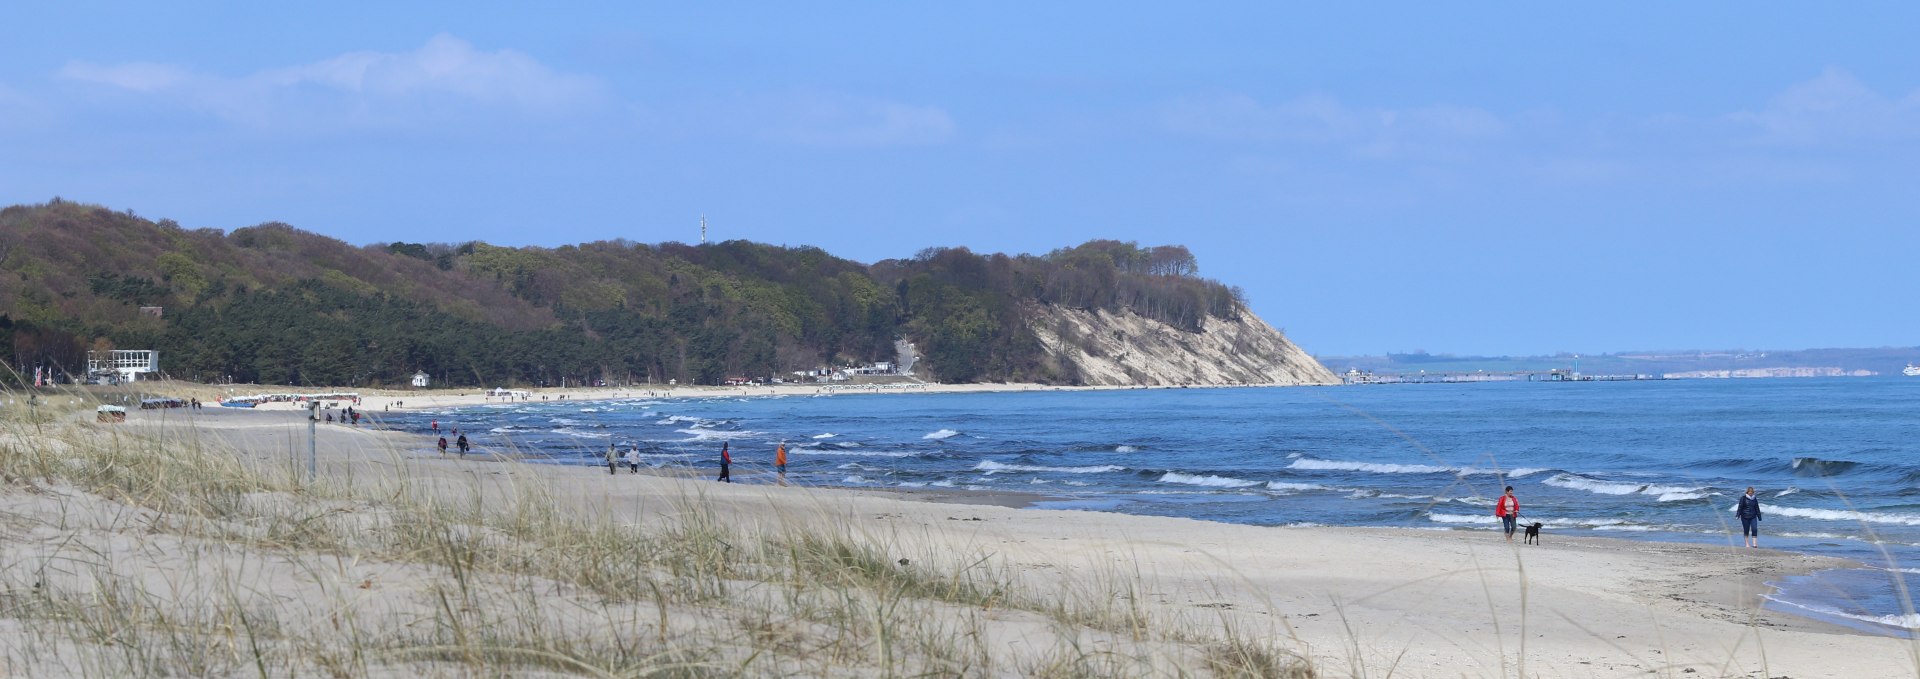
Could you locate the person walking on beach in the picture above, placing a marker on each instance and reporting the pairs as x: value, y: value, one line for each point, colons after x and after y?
x: 1749, y: 512
x: 633, y: 460
x: 1508, y: 509
x: 780, y: 459
x: 462, y: 442
x: 726, y: 461
x: 613, y: 459
x: 436, y: 426
x: 443, y: 446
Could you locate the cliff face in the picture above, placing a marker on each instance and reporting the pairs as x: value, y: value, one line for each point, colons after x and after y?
x: 1111, y: 349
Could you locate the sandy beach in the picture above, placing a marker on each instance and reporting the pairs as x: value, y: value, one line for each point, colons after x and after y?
x: 1357, y: 602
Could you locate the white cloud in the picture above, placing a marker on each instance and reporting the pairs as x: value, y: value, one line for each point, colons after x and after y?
x: 445, y: 77
x: 136, y: 76
x: 445, y: 65
x: 836, y: 120
x: 1835, y: 107
x: 807, y: 118
x: 1320, y: 119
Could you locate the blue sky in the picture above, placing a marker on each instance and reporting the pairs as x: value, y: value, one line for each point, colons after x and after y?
x: 1388, y: 178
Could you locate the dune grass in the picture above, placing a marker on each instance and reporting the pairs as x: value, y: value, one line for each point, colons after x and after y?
x: 167, y: 555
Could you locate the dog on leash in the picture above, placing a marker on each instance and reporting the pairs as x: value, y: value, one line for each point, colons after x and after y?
x: 1533, y: 533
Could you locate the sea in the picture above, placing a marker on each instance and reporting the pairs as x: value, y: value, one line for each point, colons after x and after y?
x: 1835, y: 461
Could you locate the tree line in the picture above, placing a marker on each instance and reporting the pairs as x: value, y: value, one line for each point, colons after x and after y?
x: 272, y: 304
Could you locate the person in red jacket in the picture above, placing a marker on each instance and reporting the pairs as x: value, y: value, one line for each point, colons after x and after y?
x: 1508, y: 509
x: 726, y: 461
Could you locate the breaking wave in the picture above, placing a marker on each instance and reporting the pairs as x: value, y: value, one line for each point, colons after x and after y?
x: 1439, y: 517
x: 1680, y: 497
x: 1577, y: 482
x: 1372, y: 467
x: 712, y: 435
x: 1813, y: 466
x: 852, y: 453
x: 1893, y: 518
x: 989, y: 466
x: 1906, y: 621
x: 1286, y: 485
x: 1206, y: 480
x: 941, y: 435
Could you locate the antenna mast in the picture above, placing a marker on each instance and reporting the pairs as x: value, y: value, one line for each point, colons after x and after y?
x: 703, y: 229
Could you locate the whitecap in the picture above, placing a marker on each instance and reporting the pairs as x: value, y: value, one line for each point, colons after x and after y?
x: 941, y: 435
x: 827, y: 435
x: 1678, y: 497
x: 582, y: 434
x: 856, y: 478
x: 1789, y: 491
x: 1577, y: 482
x: 1524, y: 471
x: 989, y: 466
x: 1287, y: 485
x: 1206, y: 480
x: 852, y: 453
x: 1903, y: 621
x: 1846, y: 515
x: 712, y: 435
x: 1439, y: 517
x: 1372, y: 467
x: 1125, y: 449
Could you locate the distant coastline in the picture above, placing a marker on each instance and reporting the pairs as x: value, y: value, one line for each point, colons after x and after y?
x: 1689, y: 364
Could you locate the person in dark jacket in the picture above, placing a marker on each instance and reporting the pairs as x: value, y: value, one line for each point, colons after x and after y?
x: 726, y: 461
x: 1749, y: 512
x: 462, y: 442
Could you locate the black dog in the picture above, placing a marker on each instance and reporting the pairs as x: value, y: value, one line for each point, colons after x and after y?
x: 1533, y: 533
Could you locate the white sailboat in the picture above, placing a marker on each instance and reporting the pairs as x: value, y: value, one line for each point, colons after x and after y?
x: 1911, y: 371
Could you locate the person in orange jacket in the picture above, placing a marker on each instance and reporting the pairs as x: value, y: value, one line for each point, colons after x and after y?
x: 1508, y: 509
x: 780, y: 458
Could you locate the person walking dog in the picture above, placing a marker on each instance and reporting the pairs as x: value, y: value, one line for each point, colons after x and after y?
x: 1508, y: 509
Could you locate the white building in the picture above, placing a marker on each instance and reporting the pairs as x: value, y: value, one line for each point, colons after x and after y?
x: 122, y: 365
x: 420, y: 378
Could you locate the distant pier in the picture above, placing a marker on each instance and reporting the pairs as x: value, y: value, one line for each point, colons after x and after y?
x: 1363, y: 377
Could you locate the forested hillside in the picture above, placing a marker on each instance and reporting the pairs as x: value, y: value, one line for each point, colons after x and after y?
x: 273, y: 304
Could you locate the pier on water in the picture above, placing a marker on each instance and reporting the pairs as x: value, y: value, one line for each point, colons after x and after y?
x: 1423, y: 377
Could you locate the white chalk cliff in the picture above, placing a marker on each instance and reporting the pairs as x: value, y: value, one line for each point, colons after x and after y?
x: 1115, y: 349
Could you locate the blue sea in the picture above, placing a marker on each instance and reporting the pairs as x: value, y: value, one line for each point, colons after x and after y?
x: 1836, y: 461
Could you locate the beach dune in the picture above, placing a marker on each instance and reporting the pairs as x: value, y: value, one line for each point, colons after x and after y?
x: 987, y: 589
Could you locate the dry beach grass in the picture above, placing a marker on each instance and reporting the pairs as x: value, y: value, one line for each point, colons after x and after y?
x: 191, y: 544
